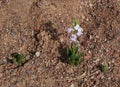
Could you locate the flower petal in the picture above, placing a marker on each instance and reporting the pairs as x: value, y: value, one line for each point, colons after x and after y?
x: 80, y: 29
x: 73, y: 38
x: 69, y: 30
x: 79, y: 33
x: 76, y: 27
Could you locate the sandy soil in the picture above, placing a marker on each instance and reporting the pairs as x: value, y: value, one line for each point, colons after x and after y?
x: 30, y: 26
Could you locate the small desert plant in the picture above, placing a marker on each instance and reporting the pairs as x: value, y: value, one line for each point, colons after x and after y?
x: 72, y: 51
x: 18, y: 58
x: 74, y: 56
x: 103, y: 68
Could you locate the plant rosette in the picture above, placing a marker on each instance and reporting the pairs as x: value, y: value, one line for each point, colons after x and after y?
x: 18, y: 58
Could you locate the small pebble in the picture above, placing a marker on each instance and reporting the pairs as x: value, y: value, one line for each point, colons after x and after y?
x: 91, y: 5
x: 37, y: 54
x: 72, y: 85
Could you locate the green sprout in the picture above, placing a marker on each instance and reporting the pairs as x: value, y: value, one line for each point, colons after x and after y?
x: 75, y: 22
x: 103, y: 68
x: 18, y: 58
x: 74, y: 56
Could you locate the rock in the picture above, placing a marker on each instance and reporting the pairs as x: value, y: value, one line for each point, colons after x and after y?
x: 37, y: 54
x: 91, y: 5
x: 72, y: 85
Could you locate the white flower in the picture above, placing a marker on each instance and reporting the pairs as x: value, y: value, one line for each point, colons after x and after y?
x: 79, y: 30
x: 77, y: 27
x: 73, y: 38
x: 79, y: 33
x: 69, y: 30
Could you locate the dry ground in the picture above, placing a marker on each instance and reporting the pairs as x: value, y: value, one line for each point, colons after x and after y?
x: 30, y: 26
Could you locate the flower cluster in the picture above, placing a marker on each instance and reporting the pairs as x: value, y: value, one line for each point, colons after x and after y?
x: 75, y: 32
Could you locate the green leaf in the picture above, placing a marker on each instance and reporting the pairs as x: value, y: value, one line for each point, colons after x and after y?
x: 15, y: 55
x: 103, y: 68
x: 78, y: 60
x: 71, y: 59
x: 75, y: 22
x: 69, y: 52
x: 81, y: 54
x: 74, y: 59
x: 75, y: 49
x: 18, y: 58
x: 21, y: 56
